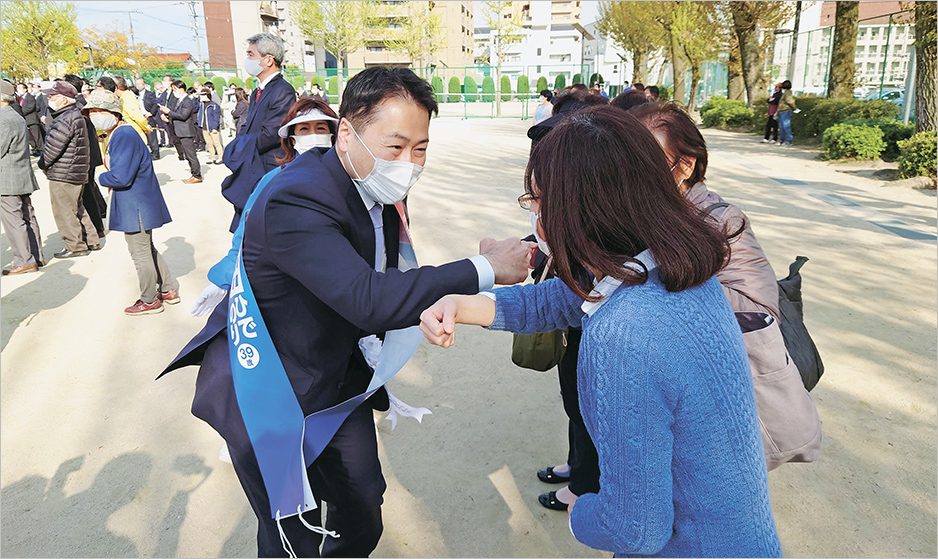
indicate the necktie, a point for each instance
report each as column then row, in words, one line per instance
column 257, row 95
column 378, row 222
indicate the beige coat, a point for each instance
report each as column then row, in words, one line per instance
column 787, row 102
column 748, row 279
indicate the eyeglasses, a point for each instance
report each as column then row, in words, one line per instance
column 525, row 200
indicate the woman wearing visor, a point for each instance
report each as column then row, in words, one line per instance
column 309, row 123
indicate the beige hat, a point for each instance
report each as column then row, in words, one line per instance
column 103, row 99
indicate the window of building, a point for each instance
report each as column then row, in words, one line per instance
column 861, row 51
column 538, row 70
column 862, row 34
column 874, row 50
column 874, row 33
column 538, row 53
column 375, row 48
column 869, row 67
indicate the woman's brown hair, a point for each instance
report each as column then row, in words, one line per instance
column 684, row 139
column 302, row 106
column 606, row 194
column 240, row 95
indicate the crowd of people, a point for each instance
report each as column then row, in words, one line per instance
column 646, row 269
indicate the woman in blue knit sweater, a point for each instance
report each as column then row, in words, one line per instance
column 663, row 376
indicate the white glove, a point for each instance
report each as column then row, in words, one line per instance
column 210, row 296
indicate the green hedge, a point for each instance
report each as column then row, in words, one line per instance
column 236, row 81
column 917, row 155
column 664, row 93
column 488, row 89
column 722, row 112
column 454, row 90
column 437, row 84
column 541, row 84
column 577, row 78
column 471, row 90
column 505, row 88
column 817, row 114
column 251, row 82
column 894, row 131
column 847, row 141
column 333, row 89
column 596, row 78
column 298, row 82
column 560, row 82
column 219, row 84
column 523, row 87
column 315, row 80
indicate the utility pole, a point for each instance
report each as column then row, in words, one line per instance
column 131, row 18
column 195, row 29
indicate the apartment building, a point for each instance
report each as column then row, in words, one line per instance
column 229, row 24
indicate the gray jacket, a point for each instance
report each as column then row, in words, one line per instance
column 748, row 279
column 16, row 173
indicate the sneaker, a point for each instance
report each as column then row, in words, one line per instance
column 170, row 297
column 765, row 141
column 143, row 308
column 773, row 142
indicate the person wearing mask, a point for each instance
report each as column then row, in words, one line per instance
column 180, row 119
column 240, row 109
column 652, row 93
column 771, row 123
column 317, row 92
column 31, row 115
column 267, row 105
column 65, row 160
column 671, row 407
column 106, row 82
column 130, row 108
column 209, row 118
column 146, row 101
column 786, row 107
column 344, row 208
column 194, row 93
column 170, row 101
column 17, row 183
column 42, row 109
column 545, row 107
column 137, row 205
column 309, row 124
column 91, row 197
column 160, row 92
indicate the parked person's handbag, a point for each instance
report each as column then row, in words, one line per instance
column 800, row 346
column 788, row 418
column 541, row 351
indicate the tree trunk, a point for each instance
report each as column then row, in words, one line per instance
column 735, row 88
column 840, row 82
column 678, row 68
column 750, row 54
column 694, row 82
column 498, row 88
column 639, row 65
column 926, row 78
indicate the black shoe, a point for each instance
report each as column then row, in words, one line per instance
column 548, row 476
column 550, row 501
column 95, row 247
column 71, row 253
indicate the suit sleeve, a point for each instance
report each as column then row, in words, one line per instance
column 181, row 111
column 269, row 138
column 306, row 239
column 6, row 137
column 149, row 103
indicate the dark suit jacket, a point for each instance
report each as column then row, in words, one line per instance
column 180, row 116
column 309, row 249
column 30, row 110
column 150, row 106
column 265, row 117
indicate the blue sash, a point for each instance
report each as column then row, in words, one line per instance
column 284, row 442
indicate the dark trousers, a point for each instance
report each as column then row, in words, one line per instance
column 771, row 125
column 174, row 139
column 94, row 203
column 582, row 457
column 37, row 136
column 164, row 136
column 153, row 142
column 188, row 151
column 347, row 475
column 199, row 139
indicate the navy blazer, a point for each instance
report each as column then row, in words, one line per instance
column 308, row 250
column 265, row 117
column 137, row 203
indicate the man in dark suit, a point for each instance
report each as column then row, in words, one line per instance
column 147, row 101
column 31, row 115
column 321, row 252
column 180, row 122
column 268, row 104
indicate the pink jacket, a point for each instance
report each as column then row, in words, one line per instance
column 748, row 279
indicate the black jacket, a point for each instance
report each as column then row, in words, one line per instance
column 66, row 155
column 180, row 117
column 30, row 110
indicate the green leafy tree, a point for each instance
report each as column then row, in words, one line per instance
column 541, row 84
column 338, row 27
column 454, row 90
column 488, row 89
column 505, row 88
column 39, row 39
column 560, row 82
column 422, row 34
column 631, row 26
column 841, row 81
column 748, row 19
column 471, row 90
column 115, row 52
column 696, row 24
column 507, row 32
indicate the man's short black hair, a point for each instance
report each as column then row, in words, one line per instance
column 179, row 84
column 368, row 88
column 107, row 83
column 786, row 84
column 75, row 80
column 210, row 85
column 653, row 89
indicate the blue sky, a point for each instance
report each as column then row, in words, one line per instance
column 163, row 25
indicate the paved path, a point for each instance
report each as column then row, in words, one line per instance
column 100, row 460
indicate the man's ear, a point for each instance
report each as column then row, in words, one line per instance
column 343, row 135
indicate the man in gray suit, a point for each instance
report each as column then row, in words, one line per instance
column 17, row 183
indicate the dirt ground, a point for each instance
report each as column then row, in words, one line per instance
column 100, row 460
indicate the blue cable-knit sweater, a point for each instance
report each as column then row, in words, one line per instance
column 667, row 397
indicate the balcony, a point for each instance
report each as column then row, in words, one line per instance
column 268, row 11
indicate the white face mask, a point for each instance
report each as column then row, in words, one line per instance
column 253, row 67
column 304, row 143
column 179, row 94
column 541, row 243
column 104, row 122
column 389, row 181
